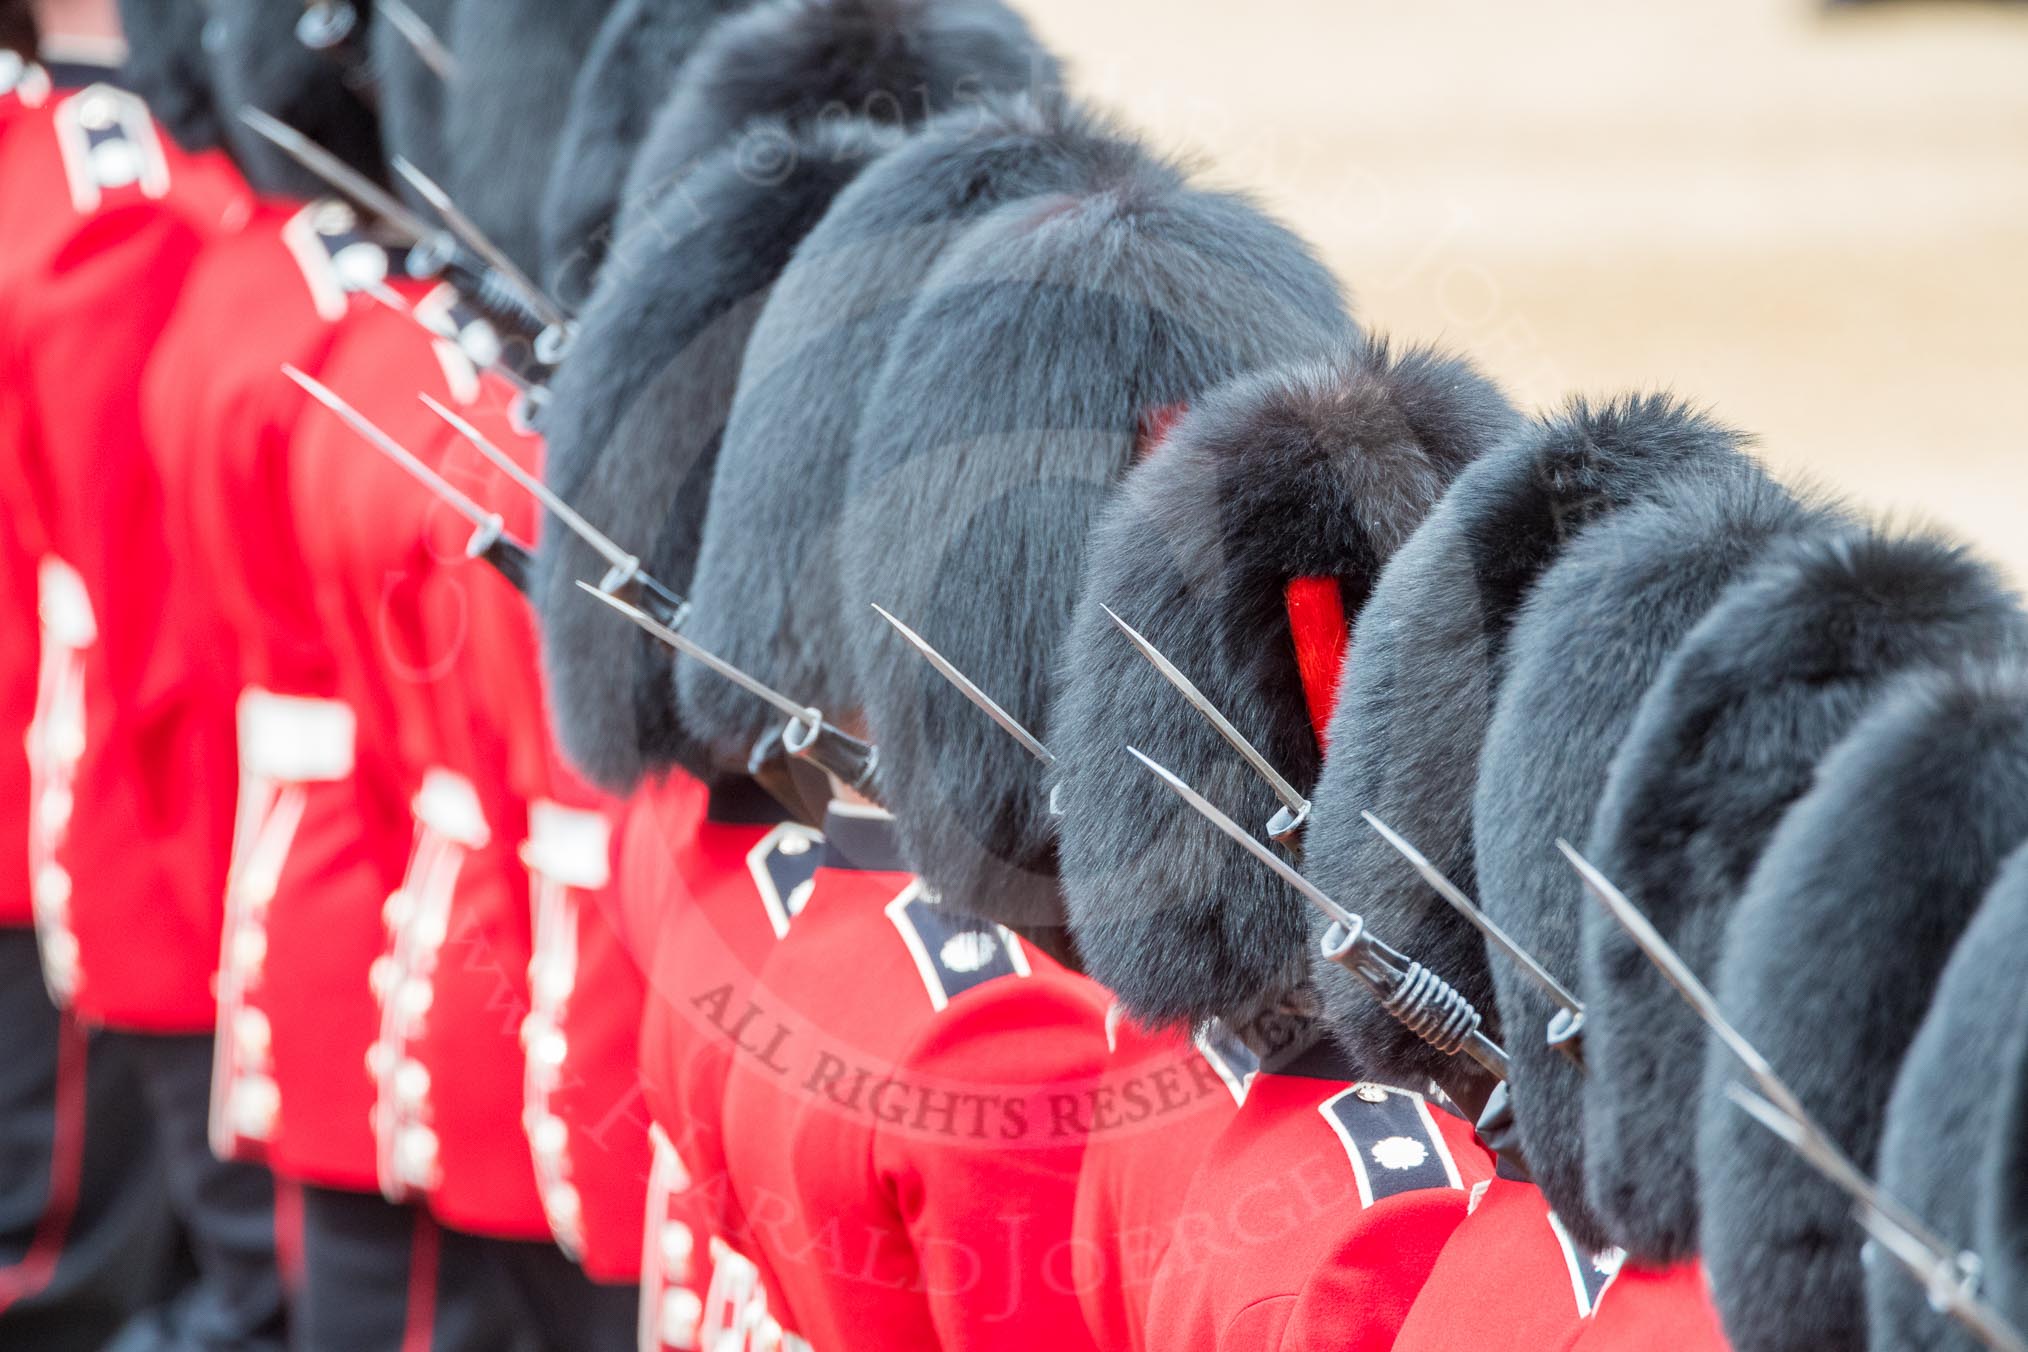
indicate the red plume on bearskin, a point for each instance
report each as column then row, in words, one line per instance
column 1246, row 541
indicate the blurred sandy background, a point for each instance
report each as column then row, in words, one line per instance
column 1815, row 223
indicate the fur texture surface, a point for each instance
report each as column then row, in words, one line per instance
column 411, row 100
column 1419, row 686
column 167, row 67
column 2000, row 1215
column 1586, row 644
column 1010, row 405
column 897, row 62
column 1830, row 962
column 1726, row 739
column 632, row 66
column 518, row 62
column 637, row 416
column 1316, row 470
column 766, row 594
column 1944, row 1112
column 256, row 61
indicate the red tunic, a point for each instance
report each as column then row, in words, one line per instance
column 1650, row 1311
column 1161, row 1101
column 1316, row 1216
column 132, row 772
column 222, row 421
column 906, row 1118
column 445, row 1064
column 1509, row 1277
column 26, row 224
column 709, row 886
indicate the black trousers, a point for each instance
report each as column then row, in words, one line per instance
column 225, row 1212
column 86, row 1238
column 384, row 1278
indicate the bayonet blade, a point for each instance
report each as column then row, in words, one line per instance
column 342, row 177
column 393, row 450
column 1245, row 840
column 1479, row 920
column 801, row 713
column 970, row 690
column 475, row 239
column 1295, row 802
column 1941, row 1271
column 1687, row 983
column 417, row 33
column 535, row 488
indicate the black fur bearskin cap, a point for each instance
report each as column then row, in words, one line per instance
column 1047, row 344
column 1313, row 471
column 167, row 67
column 412, row 98
column 891, row 61
column 634, row 427
column 517, row 63
column 766, row 595
column 1584, row 648
column 1829, row 963
column 17, row 29
column 2000, row 1213
column 632, row 66
column 257, row 61
column 1418, row 690
column 1726, row 739
column 1944, row 1113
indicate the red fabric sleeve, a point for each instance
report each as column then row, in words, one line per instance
column 987, row 1192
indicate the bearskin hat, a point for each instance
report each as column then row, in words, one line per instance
column 1045, row 351
column 412, row 98
column 1583, row 650
column 1943, row 1115
column 518, row 62
column 17, row 29
column 890, row 61
column 634, row 428
column 1243, row 547
column 631, row 68
column 1729, row 735
column 1412, row 712
column 766, row 595
column 167, row 67
column 257, row 61
column 1830, row 961
column 2000, row 1212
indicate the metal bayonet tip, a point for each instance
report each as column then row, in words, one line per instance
column 468, row 232
column 970, row 689
column 1529, row 964
column 1297, row 805
column 1242, row 837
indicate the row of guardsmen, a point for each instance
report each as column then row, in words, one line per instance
column 721, row 674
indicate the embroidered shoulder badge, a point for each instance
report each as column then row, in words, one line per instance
column 108, row 143
column 953, row 951
column 1392, row 1141
column 784, row 866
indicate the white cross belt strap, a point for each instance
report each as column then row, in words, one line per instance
column 568, row 845
column 294, row 738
